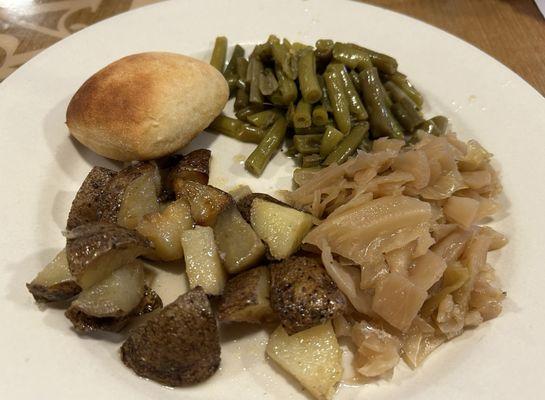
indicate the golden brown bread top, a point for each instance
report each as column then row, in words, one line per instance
column 146, row 105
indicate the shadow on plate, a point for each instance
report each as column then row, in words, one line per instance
column 22, row 272
column 62, row 145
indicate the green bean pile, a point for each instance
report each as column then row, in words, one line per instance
column 325, row 101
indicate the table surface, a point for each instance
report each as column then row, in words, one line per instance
column 512, row 31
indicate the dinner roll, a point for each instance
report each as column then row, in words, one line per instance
column 146, row 105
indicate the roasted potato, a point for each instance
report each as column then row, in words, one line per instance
column 312, row 356
column 97, row 249
column 281, row 228
column 206, row 202
column 84, row 208
column 130, row 195
column 54, row 282
column 202, row 261
column 193, row 166
column 165, row 165
column 110, row 304
column 239, row 192
column 165, row 228
column 303, row 295
column 150, row 302
column 179, row 346
column 246, row 297
column 244, row 203
column 239, row 245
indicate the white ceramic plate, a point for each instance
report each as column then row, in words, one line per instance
column 42, row 168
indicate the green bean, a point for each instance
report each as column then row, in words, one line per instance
column 242, row 72
column 311, row 160
column 267, row 82
column 441, row 123
column 307, row 144
column 267, row 148
column 325, row 97
column 285, row 59
column 429, row 127
column 311, row 130
column 397, row 95
column 383, row 62
column 250, row 109
column 290, row 152
column 302, row 117
column 355, row 80
column 402, row 81
column 289, row 114
column 219, row 53
column 366, row 144
column 263, row 51
column 241, row 99
column 297, row 48
column 263, row 119
column 230, row 72
column 354, row 102
column 332, row 137
column 237, row 129
column 255, row 69
column 387, row 100
column 348, row 145
column 324, row 50
column 338, row 99
column 382, row 121
column 286, row 86
column 319, row 115
column 277, row 99
column 407, row 115
column 308, row 82
column 273, row 39
column 352, row 57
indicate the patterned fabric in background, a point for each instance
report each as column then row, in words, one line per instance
column 30, row 26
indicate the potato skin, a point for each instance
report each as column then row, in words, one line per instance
column 179, row 346
column 59, row 292
column 87, row 242
column 244, row 205
column 87, row 323
column 206, row 201
column 303, row 295
column 84, row 207
column 194, row 166
column 242, row 293
column 114, row 191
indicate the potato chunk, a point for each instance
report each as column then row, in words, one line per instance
column 303, row 295
column 110, row 304
column 84, row 208
column 202, row 261
column 165, row 228
column 246, row 297
column 178, row 346
column 313, row 357
column 130, row 195
column 244, row 203
column 97, row 249
column 54, row 282
column 193, row 166
column 206, row 202
column 239, row 245
column 282, row 228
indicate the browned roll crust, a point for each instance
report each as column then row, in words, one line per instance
column 146, row 105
